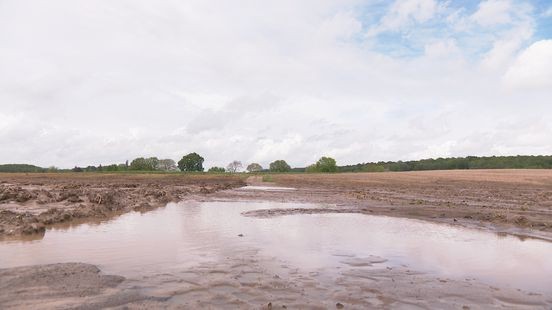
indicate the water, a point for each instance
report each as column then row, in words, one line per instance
column 184, row 234
column 266, row 188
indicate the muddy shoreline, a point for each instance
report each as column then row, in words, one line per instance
column 29, row 203
column 506, row 201
column 517, row 202
column 244, row 279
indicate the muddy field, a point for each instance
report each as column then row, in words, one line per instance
column 500, row 199
column 513, row 201
column 31, row 202
column 240, row 271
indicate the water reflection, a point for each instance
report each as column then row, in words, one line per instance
column 184, row 234
column 265, row 188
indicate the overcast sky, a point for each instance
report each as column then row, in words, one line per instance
column 97, row 82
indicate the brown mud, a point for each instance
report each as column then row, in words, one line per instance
column 31, row 202
column 507, row 200
column 517, row 202
column 246, row 280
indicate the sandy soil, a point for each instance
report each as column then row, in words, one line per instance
column 31, row 202
column 511, row 201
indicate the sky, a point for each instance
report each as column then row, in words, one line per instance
column 98, row 82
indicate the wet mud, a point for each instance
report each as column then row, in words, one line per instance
column 31, row 202
column 508, row 201
column 234, row 269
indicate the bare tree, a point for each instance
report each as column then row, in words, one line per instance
column 234, row 166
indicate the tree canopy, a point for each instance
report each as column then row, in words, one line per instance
column 234, row 166
column 191, row 162
column 144, row 164
column 216, row 170
column 254, row 167
column 20, row 168
column 470, row 162
column 279, row 166
column 324, row 164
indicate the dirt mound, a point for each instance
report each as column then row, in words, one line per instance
column 63, row 286
column 30, row 202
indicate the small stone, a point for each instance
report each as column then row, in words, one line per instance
column 240, row 235
column 339, row 305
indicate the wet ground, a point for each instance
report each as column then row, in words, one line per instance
column 446, row 240
column 170, row 253
column 510, row 201
column 30, row 202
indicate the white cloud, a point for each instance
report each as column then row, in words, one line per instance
column 533, row 67
column 506, row 46
column 342, row 26
column 512, row 26
column 99, row 82
column 404, row 13
column 493, row 12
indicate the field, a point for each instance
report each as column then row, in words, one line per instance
column 30, row 202
column 227, row 246
column 500, row 199
column 514, row 201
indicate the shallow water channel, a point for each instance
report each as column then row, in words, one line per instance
column 184, row 234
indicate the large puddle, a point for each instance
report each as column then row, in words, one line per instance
column 181, row 235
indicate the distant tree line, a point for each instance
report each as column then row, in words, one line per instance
column 137, row 164
column 21, row 168
column 193, row 162
column 470, row 162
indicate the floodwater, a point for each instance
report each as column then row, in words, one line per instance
column 266, row 188
column 184, row 234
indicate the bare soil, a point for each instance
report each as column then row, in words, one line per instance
column 31, row 202
column 511, row 201
column 517, row 201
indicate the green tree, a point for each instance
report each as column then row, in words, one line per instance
column 144, row 164
column 90, row 169
column 113, row 167
column 216, row 170
column 279, row 166
column 20, row 168
column 254, row 167
column 138, row 164
column 326, row 164
column 191, row 162
column 122, row 167
column 373, row 168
